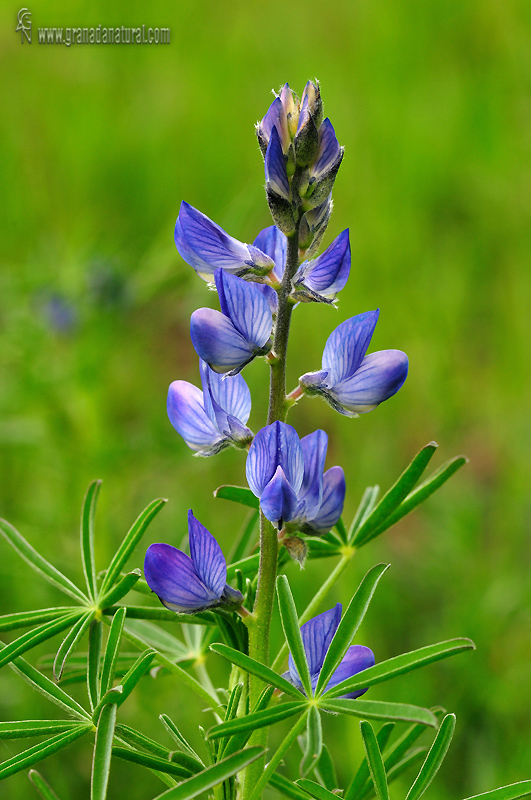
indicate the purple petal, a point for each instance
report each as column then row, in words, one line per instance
column 347, row 345
column 331, row 508
column 357, row 659
column 207, row 557
column 273, row 243
column 216, row 341
column 317, row 635
column 189, row 418
column 278, row 501
column 314, row 453
column 275, row 119
column 275, row 167
column 327, row 274
column 379, row 377
column 206, row 246
column 246, row 307
column 273, row 446
column 171, row 575
column 224, row 396
column 270, row 295
column 329, row 150
column 304, row 115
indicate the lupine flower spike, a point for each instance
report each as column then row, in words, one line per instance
column 230, row 339
column 317, row 635
column 214, row 418
column 287, row 475
column 187, row 584
column 352, row 382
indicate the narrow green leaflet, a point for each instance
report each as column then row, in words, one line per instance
column 36, row 636
column 512, row 792
column 255, row 668
column 434, row 759
column 237, row 494
column 368, row 501
column 111, row 651
column 350, row 622
column 151, row 762
column 23, row 619
column 239, row 740
column 156, row 637
column 247, row 566
column 48, row 688
column 314, row 742
column 315, row 789
column 137, row 739
column 39, row 564
column 41, row 751
column 43, row 788
column 276, row 759
column 122, row 588
column 374, row 759
column 69, row 642
column 120, row 693
column 341, row 530
column 422, row 492
column 177, row 736
column 411, row 760
column 325, row 769
column 212, row 776
column 290, row 789
column 93, row 662
column 292, row 632
column 378, row 709
column 101, row 761
column 395, row 495
column 36, row 727
column 130, row 541
column 88, row 512
column 260, row 719
column 363, row 774
column 164, row 615
column 400, row 665
column 241, row 544
column 394, row 754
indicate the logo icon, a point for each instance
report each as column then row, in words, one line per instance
column 24, row 24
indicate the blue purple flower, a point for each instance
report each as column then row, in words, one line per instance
column 214, row 418
column 187, row 584
column 317, row 635
column 206, row 247
column 352, row 382
column 230, row 339
column 286, row 473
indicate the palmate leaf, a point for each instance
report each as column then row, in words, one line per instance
column 237, row 494
column 378, row 709
column 350, row 622
column 292, row 632
column 40, row 634
column 260, row 719
column 101, row 761
column 43, row 788
column 129, row 543
column 511, row 792
column 88, row 512
column 41, row 751
column 248, row 664
column 400, row 665
column 374, row 760
column 39, row 564
column 434, row 759
column 212, row 776
column 396, row 494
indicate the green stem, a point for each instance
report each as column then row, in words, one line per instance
column 259, row 626
column 315, row 602
column 279, row 755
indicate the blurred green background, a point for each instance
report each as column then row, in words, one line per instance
column 99, row 145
